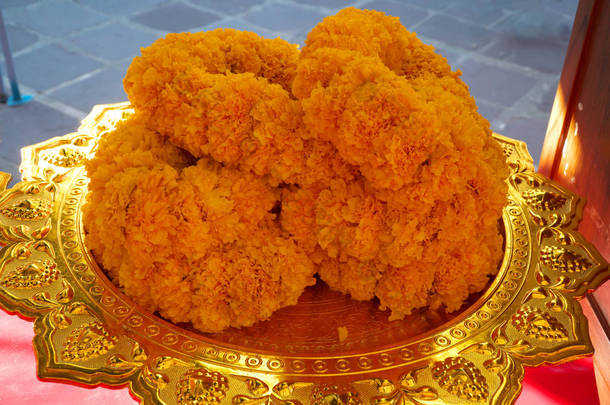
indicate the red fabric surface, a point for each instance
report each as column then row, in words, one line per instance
column 568, row 384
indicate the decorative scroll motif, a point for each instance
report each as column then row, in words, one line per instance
column 31, row 275
column 407, row 393
column 88, row 341
column 562, row 260
column 64, row 157
column 201, row 387
column 333, row 394
column 543, row 200
column 31, row 209
column 517, row 157
column 5, row 178
column 257, row 392
column 538, row 325
column 508, row 149
column 461, row 378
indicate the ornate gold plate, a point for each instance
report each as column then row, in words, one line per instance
column 328, row 349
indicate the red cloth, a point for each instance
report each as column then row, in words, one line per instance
column 568, row 384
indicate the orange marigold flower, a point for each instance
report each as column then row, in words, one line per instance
column 187, row 235
column 223, row 94
column 249, row 166
column 373, row 33
column 375, row 119
column 420, row 222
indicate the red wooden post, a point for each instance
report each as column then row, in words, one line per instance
column 576, row 153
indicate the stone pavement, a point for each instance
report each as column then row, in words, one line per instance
column 72, row 55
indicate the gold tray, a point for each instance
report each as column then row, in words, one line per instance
column 88, row 332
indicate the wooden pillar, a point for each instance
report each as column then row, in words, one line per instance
column 576, row 153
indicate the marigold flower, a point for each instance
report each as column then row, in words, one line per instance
column 197, row 243
column 373, row 33
column 223, row 94
column 418, row 227
column 249, row 166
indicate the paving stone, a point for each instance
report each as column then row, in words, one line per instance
column 114, row 41
column 455, row 32
column 536, row 24
column 547, row 98
column 55, row 18
column 519, row 5
column 452, row 56
column 175, row 17
column 28, row 124
column 334, row 4
column 498, row 85
column 408, row 15
column 530, row 130
column 123, row 66
column 298, row 38
column 483, row 12
column 432, row 4
column 19, row 38
column 287, row 18
column 542, row 56
column 567, row 7
column 102, row 88
column 49, row 66
column 489, row 111
column 239, row 24
column 12, row 169
column 121, row 7
column 15, row 3
column 230, row 7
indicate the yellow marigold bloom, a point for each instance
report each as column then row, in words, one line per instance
column 418, row 225
column 373, row 33
column 197, row 243
column 249, row 166
column 375, row 119
column 223, row 94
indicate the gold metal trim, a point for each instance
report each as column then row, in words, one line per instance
column 87, row 331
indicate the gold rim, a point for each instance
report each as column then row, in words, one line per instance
column 87, row 331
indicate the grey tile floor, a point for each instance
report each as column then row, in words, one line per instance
column 72, row 54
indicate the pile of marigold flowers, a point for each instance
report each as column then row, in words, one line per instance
column 249, row 166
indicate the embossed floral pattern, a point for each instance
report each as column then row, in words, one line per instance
column 88, row 341
column 64, row 157
column 543, row 200
column 31, row 209
column 461, row 378
column 201, row 387
column 563, row 260
column 538, row 325
column 335, row 395
column 32, row 275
